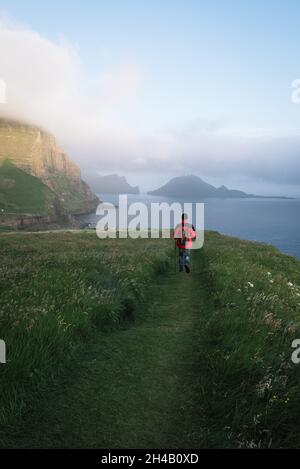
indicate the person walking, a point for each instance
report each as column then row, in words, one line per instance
column 184, row 235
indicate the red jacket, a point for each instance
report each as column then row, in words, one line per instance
column 184, row 234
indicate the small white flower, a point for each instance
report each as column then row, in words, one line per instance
column 269, row 273
column 271, row 281
column 290, row 284
column 250, row 284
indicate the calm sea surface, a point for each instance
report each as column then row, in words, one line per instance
column 274, row 221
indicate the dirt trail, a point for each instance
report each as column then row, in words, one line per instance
column 135, row 387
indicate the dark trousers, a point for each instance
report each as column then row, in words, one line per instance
column 184, row 258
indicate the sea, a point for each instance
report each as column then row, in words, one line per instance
column 269, row 220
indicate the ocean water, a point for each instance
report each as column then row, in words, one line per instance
column 273, row 221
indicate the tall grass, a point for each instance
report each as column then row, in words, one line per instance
column 250, row 384
column 56, row 291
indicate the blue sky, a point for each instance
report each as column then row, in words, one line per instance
column 221, row 65
column 217, row 58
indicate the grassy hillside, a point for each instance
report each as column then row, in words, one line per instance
column 22, row 193
column 249, row 384
column 107, row 346
column 56, row 290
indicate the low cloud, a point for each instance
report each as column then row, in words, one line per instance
column 46, row 85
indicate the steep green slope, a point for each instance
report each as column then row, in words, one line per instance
column 22, row 193
column 35, row 151
column 75, row 197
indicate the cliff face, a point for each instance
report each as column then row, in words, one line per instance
column 37, row 153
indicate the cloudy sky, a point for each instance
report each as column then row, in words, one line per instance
column 161, row 88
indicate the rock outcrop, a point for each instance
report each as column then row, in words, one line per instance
column 111, row 184
column 36, row 152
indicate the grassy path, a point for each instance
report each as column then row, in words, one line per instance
column 135, row 387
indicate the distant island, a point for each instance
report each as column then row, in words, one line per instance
column 112, row 184
column 194, row 186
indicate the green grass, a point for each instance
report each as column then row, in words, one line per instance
column 134, row 387
column 105, row 351
column 250, row 386
column 56, row 291
column 22, row 193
